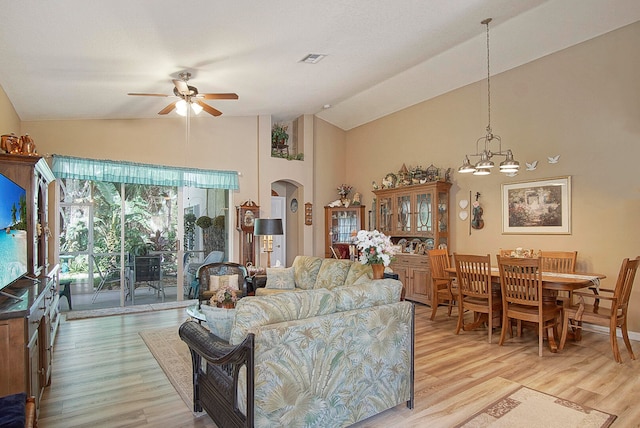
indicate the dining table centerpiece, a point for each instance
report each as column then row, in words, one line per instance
column 376, row 249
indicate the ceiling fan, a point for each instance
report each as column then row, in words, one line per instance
column 189, row 96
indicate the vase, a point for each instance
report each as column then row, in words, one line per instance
column 378, row 270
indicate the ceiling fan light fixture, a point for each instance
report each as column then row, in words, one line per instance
column 181, row 108
column 197, row 108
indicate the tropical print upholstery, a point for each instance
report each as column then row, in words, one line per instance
column 219, row 320
column 280, row 278
column 305, row 270
column 358, row 273
column 252, row 312
column 315, row 367
column 332, row 273
column 367, row 294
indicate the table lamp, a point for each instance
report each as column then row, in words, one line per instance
column 267, row 227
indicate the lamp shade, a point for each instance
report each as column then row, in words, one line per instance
column 267, row 226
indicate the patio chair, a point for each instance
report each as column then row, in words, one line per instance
column 110, row 276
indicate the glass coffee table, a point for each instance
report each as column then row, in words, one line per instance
column 194, row 312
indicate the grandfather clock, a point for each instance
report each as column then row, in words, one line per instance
column 245, row 217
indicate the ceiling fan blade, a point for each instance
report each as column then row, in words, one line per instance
column 182, row 87
column 229, row 96
column 206, row 107
column 147, row 95
column 168, row 108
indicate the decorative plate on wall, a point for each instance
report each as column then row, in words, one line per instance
column 294, row 205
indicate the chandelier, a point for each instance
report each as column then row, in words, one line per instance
column 484, row 165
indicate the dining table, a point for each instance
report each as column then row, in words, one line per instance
column 552, row 284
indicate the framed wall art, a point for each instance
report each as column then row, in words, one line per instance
column 537, row 207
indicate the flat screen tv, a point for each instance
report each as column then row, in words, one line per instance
column 13, row 232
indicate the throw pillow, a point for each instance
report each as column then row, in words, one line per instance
column 219, row 320
column 280, row 278
column 218, row 281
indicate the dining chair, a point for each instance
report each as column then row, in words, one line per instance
column 522, row 297
column 442, row 287
column 475, row 292
column 613, row 317
column 559, row 261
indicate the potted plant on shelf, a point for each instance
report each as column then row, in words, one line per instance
column 279, row 136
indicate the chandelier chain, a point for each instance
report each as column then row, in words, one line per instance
column 488, row 81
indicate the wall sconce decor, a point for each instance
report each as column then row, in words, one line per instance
column 308, row 213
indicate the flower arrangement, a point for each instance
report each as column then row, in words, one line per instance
column 225, row 295
column 375, row 247
column 344, row 190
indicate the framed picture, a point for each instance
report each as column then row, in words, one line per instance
column 537, row 207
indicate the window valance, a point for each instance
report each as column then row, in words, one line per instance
column 139, row 173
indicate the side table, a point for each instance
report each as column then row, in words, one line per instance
column 255, row 282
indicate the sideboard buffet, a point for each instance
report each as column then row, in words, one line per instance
column 416, row 217
column 29, row 320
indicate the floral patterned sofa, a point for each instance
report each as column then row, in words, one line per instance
column 312, row 273
column 321, row 357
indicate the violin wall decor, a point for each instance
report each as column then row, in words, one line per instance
column 476, row 221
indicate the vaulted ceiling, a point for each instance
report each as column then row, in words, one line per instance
column 78, row 59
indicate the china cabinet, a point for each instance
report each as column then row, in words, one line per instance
column 417, row 218
column 341, row 224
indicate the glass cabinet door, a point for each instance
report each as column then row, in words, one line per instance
column 344, row 223
column 403, row 207
column 423, row 209
column 385, row 213
column 443, row 216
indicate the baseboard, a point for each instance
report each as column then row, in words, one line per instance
column 604, row 330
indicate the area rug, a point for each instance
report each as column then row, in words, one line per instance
column 106, row 312
column 172, row 354
column 526, row 408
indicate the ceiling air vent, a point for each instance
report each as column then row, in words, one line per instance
column 312, row 58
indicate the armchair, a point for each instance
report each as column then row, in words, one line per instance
column 205, row 272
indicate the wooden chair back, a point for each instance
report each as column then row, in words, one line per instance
column 613, row 317
column 523, row 300
column 520, row 281
column 475, row 292
column 559, row 261
column 439, row 261
column 474, row 275
column 624, row 284
column 441, row 282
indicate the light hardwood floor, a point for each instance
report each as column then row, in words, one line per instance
column 104, row 375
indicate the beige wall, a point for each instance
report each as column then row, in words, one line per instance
column 9, row 120
column 331, row 163
column 581, row 103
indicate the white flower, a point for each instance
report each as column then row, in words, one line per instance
column 375, row 247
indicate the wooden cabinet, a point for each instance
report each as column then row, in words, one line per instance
column 29, row 322
column 340, row 225
column 418, row 217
